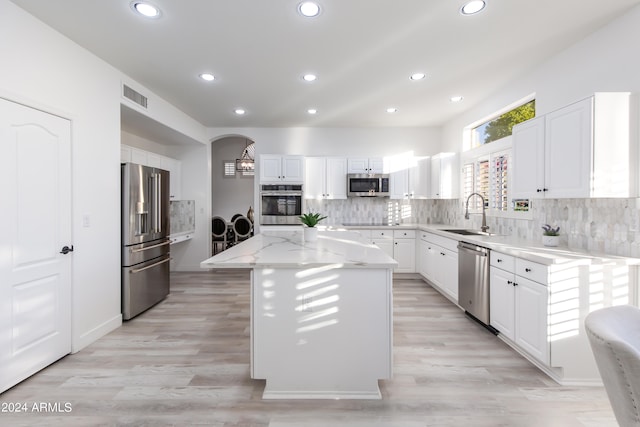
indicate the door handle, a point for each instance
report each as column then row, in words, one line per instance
column 66, row 249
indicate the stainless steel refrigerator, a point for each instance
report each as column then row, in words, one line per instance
column 145, row 238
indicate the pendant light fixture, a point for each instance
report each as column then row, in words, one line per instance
column 246, row 162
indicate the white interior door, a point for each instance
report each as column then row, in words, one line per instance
column 35, row 223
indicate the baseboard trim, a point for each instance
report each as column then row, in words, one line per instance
column 78, row 343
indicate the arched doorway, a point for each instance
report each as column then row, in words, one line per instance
column 232, row 189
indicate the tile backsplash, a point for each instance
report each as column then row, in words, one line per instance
column 182, row 216
column 597, row 225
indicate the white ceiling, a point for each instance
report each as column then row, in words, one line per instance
column 363, row 52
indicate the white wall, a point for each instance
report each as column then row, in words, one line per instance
column 196, row 185
column 43, row 69
column 607, row 60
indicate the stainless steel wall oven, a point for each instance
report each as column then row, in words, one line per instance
column 280, row 204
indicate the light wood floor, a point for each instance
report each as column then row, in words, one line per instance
column 186, row 362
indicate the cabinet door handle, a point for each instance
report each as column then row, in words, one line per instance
column 498, row 260
column 509, row 282
column 515, row 284
column 538, row 190
column 442, row 253
column 528, row 270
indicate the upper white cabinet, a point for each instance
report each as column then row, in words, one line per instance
column 278, row 168
column 444, row 176
column 146, row 158
column 366, row 165
column 586, row 149
column 409, row 177
column 325, row 178
column 175, row 172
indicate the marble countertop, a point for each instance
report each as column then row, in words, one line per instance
column 288, row 249
column 510, row 245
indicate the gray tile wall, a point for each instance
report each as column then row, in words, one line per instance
column 597, row 225
column 182, row 216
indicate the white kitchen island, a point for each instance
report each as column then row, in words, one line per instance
column 321, row 313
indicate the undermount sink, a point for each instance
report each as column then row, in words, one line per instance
column 468, row 232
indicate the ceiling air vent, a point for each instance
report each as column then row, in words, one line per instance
column 134, row 96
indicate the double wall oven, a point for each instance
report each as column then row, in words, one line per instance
column 280, row 204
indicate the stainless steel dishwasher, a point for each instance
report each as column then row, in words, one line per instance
column 473, row 281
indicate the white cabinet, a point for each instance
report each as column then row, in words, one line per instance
column 444, row 176
column 366, row 165
column 438, row 263
column 147, row 158
column 404, row 250
column 383, row 239
column 582, row 150
column 398, row 244
column 278, row 168
column 325, row 178
column 409, row 177
column 519, row 305
column 125, row 154
column 528, row 159
column 175, row 172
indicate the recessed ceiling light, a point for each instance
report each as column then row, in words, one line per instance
column 309, row 77
column 207, row 76
column 456, row 98
column 145, row 9
column 239, row 111
column 392, row 110
column 309, row 9
column 418, row 76
column 312, row 111
column 473, row 7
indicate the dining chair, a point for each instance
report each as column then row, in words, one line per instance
column 242, row 229
column 614, row 335
column 219, row 233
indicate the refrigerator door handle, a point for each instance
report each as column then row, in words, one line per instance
column 138, row 270
column 159, row 202
column 133, row 251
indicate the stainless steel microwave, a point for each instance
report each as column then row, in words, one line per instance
column 367, row 185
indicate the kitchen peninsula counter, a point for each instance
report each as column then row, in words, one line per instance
column 321, row 313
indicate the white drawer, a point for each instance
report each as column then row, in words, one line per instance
column 451, row 244
column 502, row 261
column 532, row 270
column 404, row 234
column 381, row 234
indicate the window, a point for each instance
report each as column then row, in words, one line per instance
column 488, row 176
column 229, row 168
column 499, row 180
column 501, row 126
column 476, row 180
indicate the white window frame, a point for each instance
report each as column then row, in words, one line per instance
column 489, row 152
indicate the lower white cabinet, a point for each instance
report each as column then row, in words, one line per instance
column 404, row 250
column 519, row 305
column 398, row 244
column 438, row 262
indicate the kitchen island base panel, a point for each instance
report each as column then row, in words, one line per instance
column 321, row 332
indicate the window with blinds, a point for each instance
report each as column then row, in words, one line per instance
column 488, row 177
column 499, row 190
